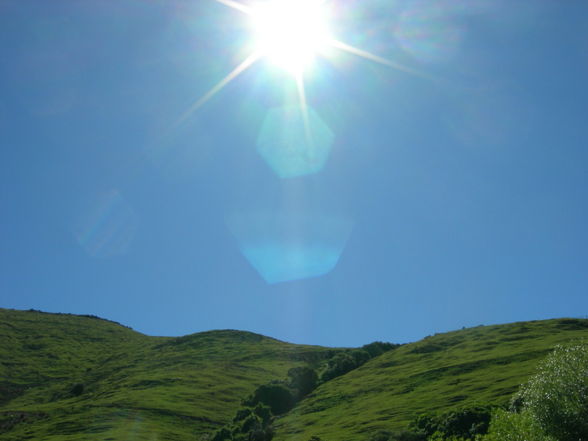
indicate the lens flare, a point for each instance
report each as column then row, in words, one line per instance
column 284, row 246
column 290, row 34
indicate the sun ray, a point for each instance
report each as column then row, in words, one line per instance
column 375, row 58
column 303, row 108
column 290, row 33
column 245, row 64
column 237, row 6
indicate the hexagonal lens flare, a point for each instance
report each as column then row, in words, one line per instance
column 285, row 247
column 294, row 141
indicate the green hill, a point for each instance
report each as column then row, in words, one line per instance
column 485, row 365
column 67, row 377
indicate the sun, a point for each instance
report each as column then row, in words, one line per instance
column 290, row 33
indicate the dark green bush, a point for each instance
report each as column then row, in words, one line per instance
column 277, row 396
column 242, row 414
column 223, row 434
column 338, row 365
column 360, row 356
column 378, row 348
column 303, row 380
column 465, row 423
column 264, row 413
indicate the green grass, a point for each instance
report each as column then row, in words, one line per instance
column 135, row 387
column 478, row 365
column 139, row 388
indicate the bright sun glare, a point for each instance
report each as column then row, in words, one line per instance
column 290, row 32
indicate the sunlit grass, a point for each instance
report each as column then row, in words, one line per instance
column 135, row 387
column 442, row 372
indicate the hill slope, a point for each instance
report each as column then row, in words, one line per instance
column 66, row 377
column 484, row 364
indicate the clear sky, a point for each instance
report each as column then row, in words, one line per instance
column 448, row 191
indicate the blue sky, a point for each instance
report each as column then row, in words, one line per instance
column 448, row 199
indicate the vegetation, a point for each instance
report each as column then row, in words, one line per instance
column 553, row 404
column 66, row 377
column 557, row 396
column 254, row 421
column 439, row 374
column 511, row 426
column 464, row 423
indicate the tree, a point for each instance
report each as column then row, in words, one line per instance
column 377, row 348
column 557, row 396
column 277, row 396
column 360, row 356
column 510, row 426
column 263, row 412
column 465, row 422
column 338, row 365
column 224, row 434
column 303, row 379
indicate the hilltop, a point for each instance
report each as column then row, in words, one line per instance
column 68, row 377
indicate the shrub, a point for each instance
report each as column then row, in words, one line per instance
column 264, row 413
column 223, row 434
column 557, row 396
column 276, row 396
column 377, row 348
column 338, row 365
column 303, row 379
column 509, row 426
column 465, row 423
column 242, row 414
column 360, row 356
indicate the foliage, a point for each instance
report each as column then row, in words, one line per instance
column 185, row 387
column 339, row 365
column 447, row 371
column 510, row 426
column 224, row 434
column 263, row 412
column 275, row 395
column 344, row 362
column 378, row 348
column 557, row 396
column 249, row 424
column 164, row 387
column 303, row 380
column 462, row 423
column 360, row 356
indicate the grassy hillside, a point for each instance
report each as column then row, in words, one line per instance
column 65, row 377
column 445, row 371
